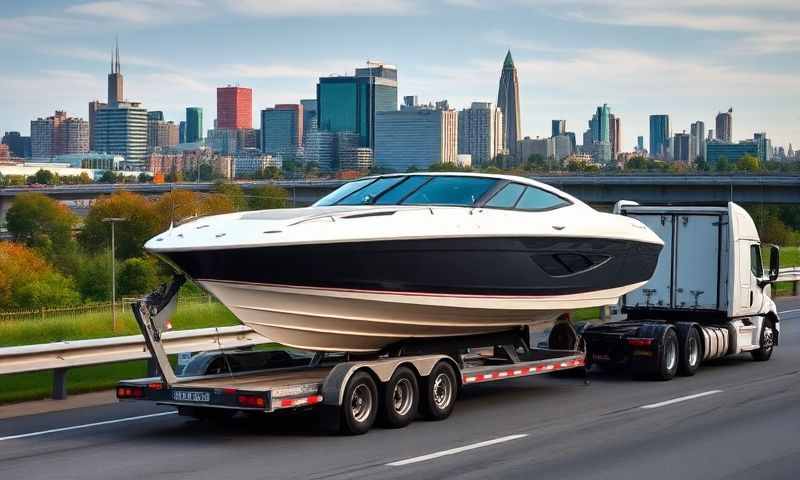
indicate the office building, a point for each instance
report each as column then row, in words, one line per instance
column 282, row 130
column 252, row 164
column 600, row 152
column 234, row 108
column 508, row 102
column 573, row 144
column 697, row 141
column 559, row 127
column 764, row 145
column 18, row 146
column 94, row 106
column 680, row 145
column 319, row 147
column 5, row 153
column 162, row 134
column 182, row 132
column 615, row 134
column 91, row 160
column 58, row 135
column 724, row 126
column 600, row 125
column 350, row 104
column 309, row 114
column 732, row 152
column 659, row 136
column 415, row 138
column 640, row 143
column 115, row 82
column 480, row 132
column 122, row 129
column 194, row 125
column 533, row 146
column 155, row 116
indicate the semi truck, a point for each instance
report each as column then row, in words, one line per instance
column 709, row 297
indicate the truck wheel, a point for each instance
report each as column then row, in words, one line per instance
column 400, row 399
column 440, row 392
column 360, row 404
column 766, row 344
column 690, row 353
column 668, row 356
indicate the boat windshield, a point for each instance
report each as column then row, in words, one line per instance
column 411, row 190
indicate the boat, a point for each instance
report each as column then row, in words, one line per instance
column 388, row 258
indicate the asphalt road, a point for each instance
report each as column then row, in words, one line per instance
column 743, row 424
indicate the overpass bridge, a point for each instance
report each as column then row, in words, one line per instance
column 596, row 189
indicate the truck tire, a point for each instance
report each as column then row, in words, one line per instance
column 359, row 405
column 400, row 401
column 766, row 344
column 668, row 354
column 690, row 353
column 439, row 392
column 663, row 363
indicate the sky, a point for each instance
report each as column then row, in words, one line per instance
column 686, row 58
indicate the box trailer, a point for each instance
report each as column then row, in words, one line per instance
column 709, row 296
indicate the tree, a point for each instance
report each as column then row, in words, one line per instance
column 28, row 281
column 94, row 277
column 136, row 276
column 537, row 162
column 141, row 223
column 723, row 165
column 216, row 203
column 748, row 163
column 44, row 177
column 175, row 206
column 145, row 177
column 268, row 196
column 108, row 177
column 40, row 222
column 233, row 191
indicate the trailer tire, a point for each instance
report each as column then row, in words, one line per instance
column 440, row 392
column 400, row 401
column 360, row 404
column 767, row 342
column 690, row 353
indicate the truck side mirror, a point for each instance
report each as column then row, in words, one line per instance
column 774, row 262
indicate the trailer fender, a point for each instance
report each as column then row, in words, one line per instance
column 382, row 370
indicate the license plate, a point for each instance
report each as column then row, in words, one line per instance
column 190, row 396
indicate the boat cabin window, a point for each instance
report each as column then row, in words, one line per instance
column 536, row 199
column 341, row 192
column 399, row 192
column 507, row 197
column 368, row 194
column 461, row 191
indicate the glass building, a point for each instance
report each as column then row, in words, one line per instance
column 349, row 104
column 194, row 124
column 733, row 152
column 282, row 129
column 659, row 136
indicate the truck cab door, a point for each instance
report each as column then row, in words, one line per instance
column 745, row 266
column 756, row 275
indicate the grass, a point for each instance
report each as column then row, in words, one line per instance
column 99, row 324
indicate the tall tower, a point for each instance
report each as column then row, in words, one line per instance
column 508, row 102
column 725, row 126
column 115, row 94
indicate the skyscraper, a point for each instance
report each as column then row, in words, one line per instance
column 415, row 138
column 640, row 143
column 182, row 132
column 194, row 124
column 508, row 102
column 94, row 106
column 680, row 147
column 659, row 136
column 601, row 125
column 122, row 129
column 559, row 127
column 725, row 126
column 697, row 141
column 18, row 145
column 115, row 91
column 282, row 129
column 615, row 133
column 309, row 114
column 480, row 132
column 349, row 104
column 58, row 135
column 234, row 107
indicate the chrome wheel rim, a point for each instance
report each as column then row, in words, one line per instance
column 402, row 397
column 767, row 343
column 671, row 355
column 442, row 391
column 361, row 403
column 693, row 351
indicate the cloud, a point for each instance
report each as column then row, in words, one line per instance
column 141, row 12
column 296, row 8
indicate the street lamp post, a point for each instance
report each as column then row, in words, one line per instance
column 112, row 221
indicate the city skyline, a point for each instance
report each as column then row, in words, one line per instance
column 579, row 57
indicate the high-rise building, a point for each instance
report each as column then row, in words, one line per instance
column 764, row 146
column 600, row 125
column 680, row 146
column 710, row 135
column 640, row 143
column 615, row 133
column 18, row 146
column 94, row 106
column 115, row 90
column 480, row 132
column 282, row 129
column 194, row 125
column 717, row 150
column 659, row 136
column 234, row 107
column 155, row 116
column 415, row 138
column 309, row 114
column 182, row 132
column 349, row 104
column 162, row 134
column 122, row 129
column 508, row 102
column 725, row 126
column 572, row 141
column 58, row 135
column 320, row 148
column 5, row 153
column 559, row 127
column 697, row 141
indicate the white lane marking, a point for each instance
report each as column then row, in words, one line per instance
column 88, row 425
column 680, row 399
column 790, row 311
column 453, row 451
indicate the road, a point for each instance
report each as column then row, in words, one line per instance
column 739, row 421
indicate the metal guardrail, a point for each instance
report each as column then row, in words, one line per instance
column 60, row 356
column 791, row 274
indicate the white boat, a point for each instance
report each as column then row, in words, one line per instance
column 389, row 258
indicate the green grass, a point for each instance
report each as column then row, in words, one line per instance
column 99, row 324
column 790, row 257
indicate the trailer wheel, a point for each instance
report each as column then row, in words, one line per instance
column 766, row 344
column 441, row 389
column 690, row 353
column 400, row 399
column 360, row 405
